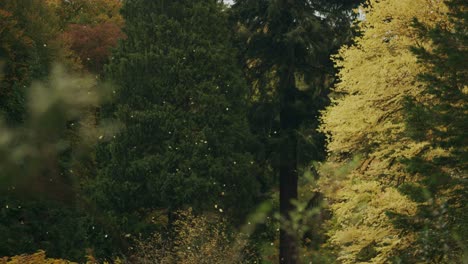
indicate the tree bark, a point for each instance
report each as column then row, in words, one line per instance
column 288, row 164
column 288, row 192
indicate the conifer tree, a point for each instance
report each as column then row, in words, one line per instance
column 181, row 101
column 287, row 46
column 440, row 122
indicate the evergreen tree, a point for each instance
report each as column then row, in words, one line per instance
column 287, row 48
column 441, row 122
column 181, row 101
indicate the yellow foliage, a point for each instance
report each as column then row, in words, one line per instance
column 198, row 239
column 41, row 258
column 366, row 118
column 378, row 73
column 36, row 258
column 361, row 219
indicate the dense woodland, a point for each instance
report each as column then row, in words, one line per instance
column 259, row 131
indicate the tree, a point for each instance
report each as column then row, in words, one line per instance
column 38, row 190
column 83, row 12
column 287, row 45
column 14, row 43
column 367, row 119
column 181, row 102
column 441, row 123
column 91, row 29
column 29, row 45
column 43, row 148
column 93, row 43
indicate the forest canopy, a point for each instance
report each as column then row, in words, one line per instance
column 246, row 131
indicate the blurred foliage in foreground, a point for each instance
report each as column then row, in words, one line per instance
column 40, row 161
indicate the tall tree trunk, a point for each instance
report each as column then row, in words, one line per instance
column 288, row 192
column 288, row 165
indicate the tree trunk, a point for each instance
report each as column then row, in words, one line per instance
column 288, row 164
column 288, row 192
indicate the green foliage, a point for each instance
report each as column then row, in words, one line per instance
column 415, row 192
column 181, row 101
column 43, row 135
column 442, row 122
column 286, row 48
column 37, row 182
column 186, row 128
column 29, row 46
column 276, row 37
column 82, row 12
column 28, row 225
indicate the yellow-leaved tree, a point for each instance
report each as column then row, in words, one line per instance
column 366, row 119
